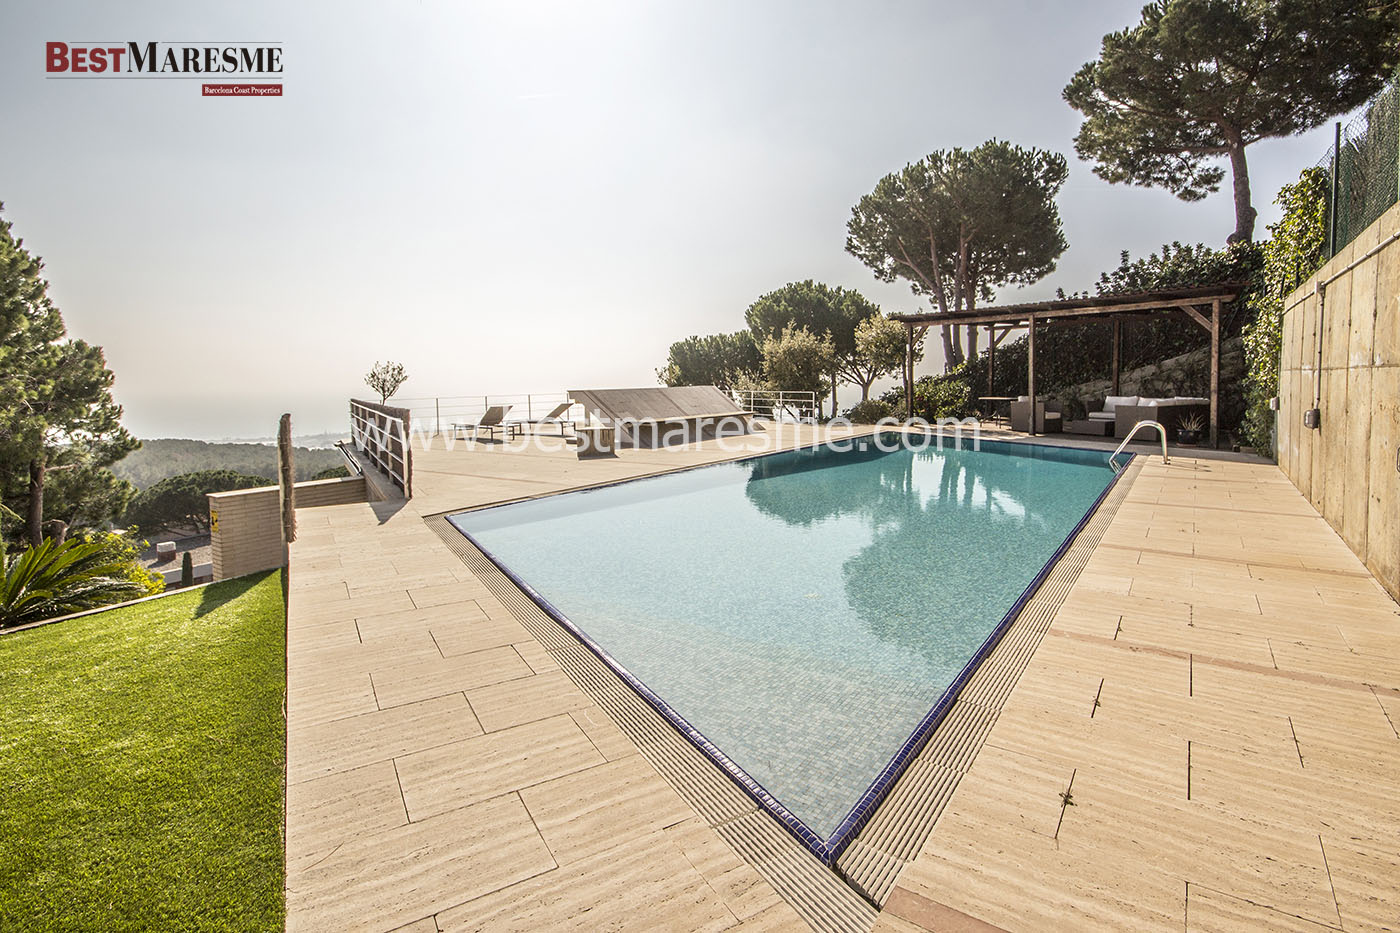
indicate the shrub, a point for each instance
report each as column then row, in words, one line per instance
column 55, row 579
column 337, row 472
column 1291, row 254
column 187, row 570
column 870, row 411
column 947, row 395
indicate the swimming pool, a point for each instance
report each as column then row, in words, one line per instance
column 804, row 617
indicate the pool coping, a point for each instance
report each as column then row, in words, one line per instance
column 830, row 849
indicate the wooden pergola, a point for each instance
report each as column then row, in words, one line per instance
column 1201, row 304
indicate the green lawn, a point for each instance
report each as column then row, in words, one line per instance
column 141, row 761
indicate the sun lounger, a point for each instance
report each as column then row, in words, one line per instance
column 492, row 421
column 556, row 416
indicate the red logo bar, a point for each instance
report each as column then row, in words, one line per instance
column 242, row 90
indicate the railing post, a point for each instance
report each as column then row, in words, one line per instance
column 1333, row 189
column 437, row 417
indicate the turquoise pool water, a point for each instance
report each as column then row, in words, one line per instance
column 803, row 612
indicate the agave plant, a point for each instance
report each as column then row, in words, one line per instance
column 54, row 579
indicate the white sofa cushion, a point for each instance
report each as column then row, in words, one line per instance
column 1101, row 416
column 1111, row 402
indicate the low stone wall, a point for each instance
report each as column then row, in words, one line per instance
column 1341, row 354
column 246, row 525
column 315, row 493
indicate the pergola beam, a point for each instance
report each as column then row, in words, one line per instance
column 1020, row 319
column 1196, row 316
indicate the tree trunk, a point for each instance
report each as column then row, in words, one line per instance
column 1244, row 210
column 833, row 394
column 34, row 523
column 950, row 350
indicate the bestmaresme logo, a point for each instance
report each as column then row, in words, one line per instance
column 132, row 60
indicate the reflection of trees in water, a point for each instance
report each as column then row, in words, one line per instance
column 894, row 602
column 834, row 484
column 911, row 527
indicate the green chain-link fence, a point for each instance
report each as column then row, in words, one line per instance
column 1364, row 169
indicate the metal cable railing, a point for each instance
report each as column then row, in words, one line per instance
column 780, row 406
column 436, row 414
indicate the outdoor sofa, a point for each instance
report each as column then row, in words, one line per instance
column 1125, row 411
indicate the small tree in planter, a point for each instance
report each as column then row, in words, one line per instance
column 187, row 570
column 385, row 378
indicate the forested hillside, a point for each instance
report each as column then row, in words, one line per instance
column 165, row 457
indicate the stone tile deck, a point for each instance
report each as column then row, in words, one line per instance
column 1207, row 739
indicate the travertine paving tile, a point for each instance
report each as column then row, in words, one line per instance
column 740, row 886
column 612, row 744
column 450, row 776
column 385, row 880
column 642, row 884
column 426, row 597
column 338, row 696
column 1209, row 911
column 456, row 637
column 425, row 678
column 527, row 699
column 533, row 654
column 406, row 621
column 583, row 813
column 319, row 749
column 341, row 806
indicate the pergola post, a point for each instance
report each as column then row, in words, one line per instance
column 1117, row 353
column 1030, row 371
column 991, row 356
column 1214, row 373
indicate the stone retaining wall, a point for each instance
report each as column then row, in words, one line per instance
column 1348, row 466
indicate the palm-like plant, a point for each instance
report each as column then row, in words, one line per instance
column 55, row 579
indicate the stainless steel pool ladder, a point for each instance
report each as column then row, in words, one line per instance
column 1161, row 432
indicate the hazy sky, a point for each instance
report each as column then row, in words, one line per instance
column 515, row 196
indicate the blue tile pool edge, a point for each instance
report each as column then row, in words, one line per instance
column 826, row 850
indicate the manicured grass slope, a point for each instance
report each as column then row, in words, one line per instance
column 141, row 766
